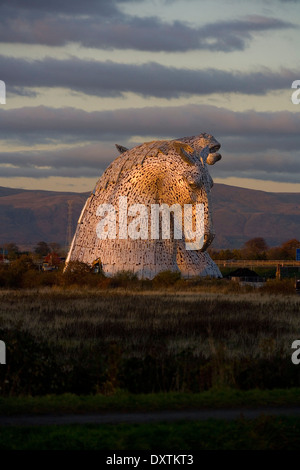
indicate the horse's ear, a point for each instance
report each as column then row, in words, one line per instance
column 121, row 149
column 186, row 156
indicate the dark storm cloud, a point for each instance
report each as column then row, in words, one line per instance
column 22, row 91
column 92, row 160
column 281, row 142
column 43, row 124
column 283, row 162
column 89, row 157
column 72, row 7
column 150, row 79
column 257, row 174
column 103, row 25
column 36, row 172
column 257, row 145
column 233, row 35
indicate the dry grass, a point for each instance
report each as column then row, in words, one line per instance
column 145, row 321
column 120, row 335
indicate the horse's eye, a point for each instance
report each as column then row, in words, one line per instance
column 194, row 185
column 214, row 148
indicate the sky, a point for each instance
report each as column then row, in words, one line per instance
column 83, row 76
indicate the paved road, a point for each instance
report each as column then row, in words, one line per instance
column 157, row 416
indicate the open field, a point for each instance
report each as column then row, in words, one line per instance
column 98, row 341
column 190, row 346
column 121, row 402
column 264, row 433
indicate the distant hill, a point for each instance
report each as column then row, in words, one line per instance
column 30, row 216
column 240, row 214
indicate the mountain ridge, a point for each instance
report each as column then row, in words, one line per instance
column 28, row 216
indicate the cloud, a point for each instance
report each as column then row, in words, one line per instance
column 84, row 161
column 92, row 160
column 248, row 173
column 273, row 166
column 72, row 7
column 39, row 172
column 235, row 34
column 104, row 26
column 280, row 142
column 44, row 124
column 150, row 79
column 254, row 145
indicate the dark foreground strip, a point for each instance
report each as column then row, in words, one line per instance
column 147, row 417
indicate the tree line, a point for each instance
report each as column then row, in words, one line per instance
column 257, row 249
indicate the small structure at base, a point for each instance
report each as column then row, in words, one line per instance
column 246, row 276
column 52, row 262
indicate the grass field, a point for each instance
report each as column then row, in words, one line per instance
column 264, row 433
column 86, row 341
column 122, row 401
column 189, row 345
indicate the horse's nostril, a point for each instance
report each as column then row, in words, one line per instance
column 214, row 148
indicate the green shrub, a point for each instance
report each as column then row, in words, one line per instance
column 166, row 278
column 31, row 367
column 78, row 273
column 124, row 279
